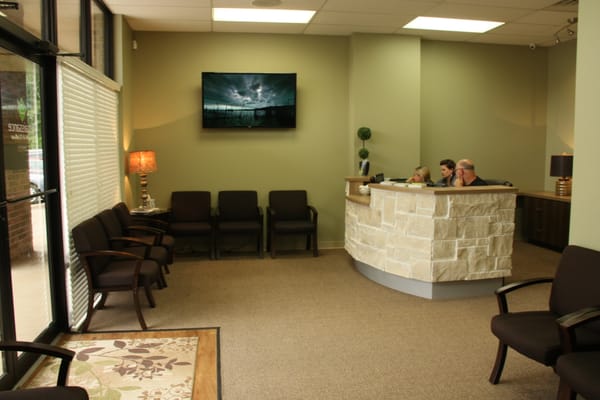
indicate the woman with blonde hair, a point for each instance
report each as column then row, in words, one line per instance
column 421, row 175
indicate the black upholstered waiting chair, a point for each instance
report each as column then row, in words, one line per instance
column 238, row 213
column 289, row 213
column 535, row 333
column 59, row 392
column 138, row 246
column 109, row 270
column 191, row 216
column 151, row 230
column 579, row 371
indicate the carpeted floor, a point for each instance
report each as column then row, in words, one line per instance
column 299, row 327
column 149, row 365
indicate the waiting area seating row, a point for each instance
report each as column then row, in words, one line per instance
column 238, row 213
column 117, row 256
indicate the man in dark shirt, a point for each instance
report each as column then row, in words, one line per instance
column 466, row 176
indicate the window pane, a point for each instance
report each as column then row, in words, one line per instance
column 97, row 38
column 68, row 15
column 28, row 16
column 26, row 217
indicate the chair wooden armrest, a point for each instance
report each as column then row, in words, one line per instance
column 158, row 233
column 501, row 292
column 65, row 355
column 314, row 213
column 568, row 323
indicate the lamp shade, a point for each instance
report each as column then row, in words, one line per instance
column 142, row 162
column 561, row 165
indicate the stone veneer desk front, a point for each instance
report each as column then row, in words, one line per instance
column 432, row 242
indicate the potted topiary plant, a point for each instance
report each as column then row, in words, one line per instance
column 363, row 134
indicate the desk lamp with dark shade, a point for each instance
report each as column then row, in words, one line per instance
column 142, row 163
column 562, row 166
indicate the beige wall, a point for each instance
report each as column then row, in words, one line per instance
column 585, row 213
column 423, row 100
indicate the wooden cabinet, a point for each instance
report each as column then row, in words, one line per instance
column 546, row 219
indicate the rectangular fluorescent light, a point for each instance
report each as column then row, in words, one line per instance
column 262, row 15
column 452, row 24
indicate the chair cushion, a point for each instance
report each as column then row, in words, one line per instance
column 293, row 226
column 582, row 372
column 535, row 334
column 46, row 393
column 157, row 253
column 120, row 273
column 289, row 204
column 239, row 226
column 238, row 205
column 190, row 228
column 532, row 333
column 190, row 206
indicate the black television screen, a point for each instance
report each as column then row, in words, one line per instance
column 248, row 100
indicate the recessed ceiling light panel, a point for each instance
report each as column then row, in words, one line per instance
column 262, row 15
column 452, row 24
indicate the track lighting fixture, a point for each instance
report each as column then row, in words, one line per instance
column 568, row 28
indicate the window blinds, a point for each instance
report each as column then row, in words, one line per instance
column 90, row 178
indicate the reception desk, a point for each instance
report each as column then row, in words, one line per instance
column 431, row 242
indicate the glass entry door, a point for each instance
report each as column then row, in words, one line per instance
column 25, row 292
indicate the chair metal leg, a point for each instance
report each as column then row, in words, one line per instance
column 499, row 364
column 315, row 245
column 138, row 309
column 90, row 311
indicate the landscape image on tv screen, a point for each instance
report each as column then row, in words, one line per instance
column 249, row 100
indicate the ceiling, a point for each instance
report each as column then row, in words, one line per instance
column 528, row 22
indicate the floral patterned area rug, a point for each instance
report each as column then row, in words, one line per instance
column 142, row 365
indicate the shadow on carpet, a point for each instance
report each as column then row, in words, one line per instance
column 162, row 364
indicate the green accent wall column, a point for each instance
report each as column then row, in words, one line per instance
column 385, row 96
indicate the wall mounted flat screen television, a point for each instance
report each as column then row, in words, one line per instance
column 248, row 100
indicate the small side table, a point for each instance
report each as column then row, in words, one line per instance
column 161, row 214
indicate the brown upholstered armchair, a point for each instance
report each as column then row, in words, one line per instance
column 111, row 270
column 579, row 371
column 149, row 229
column 191, row 216
column 289, row 213
column 534, row 333
column 59, row 392
column 238, row 213
column 138, row 246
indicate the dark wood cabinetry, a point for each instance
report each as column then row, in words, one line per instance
column 546, row 219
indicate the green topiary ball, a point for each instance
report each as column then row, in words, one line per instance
column 364, row 133
column 363, row 153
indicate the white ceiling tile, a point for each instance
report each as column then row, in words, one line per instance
column 525, row 19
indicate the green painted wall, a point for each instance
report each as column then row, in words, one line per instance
column 424, row 101
column 167, row 118
column 486, row 103
column 385, row 96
